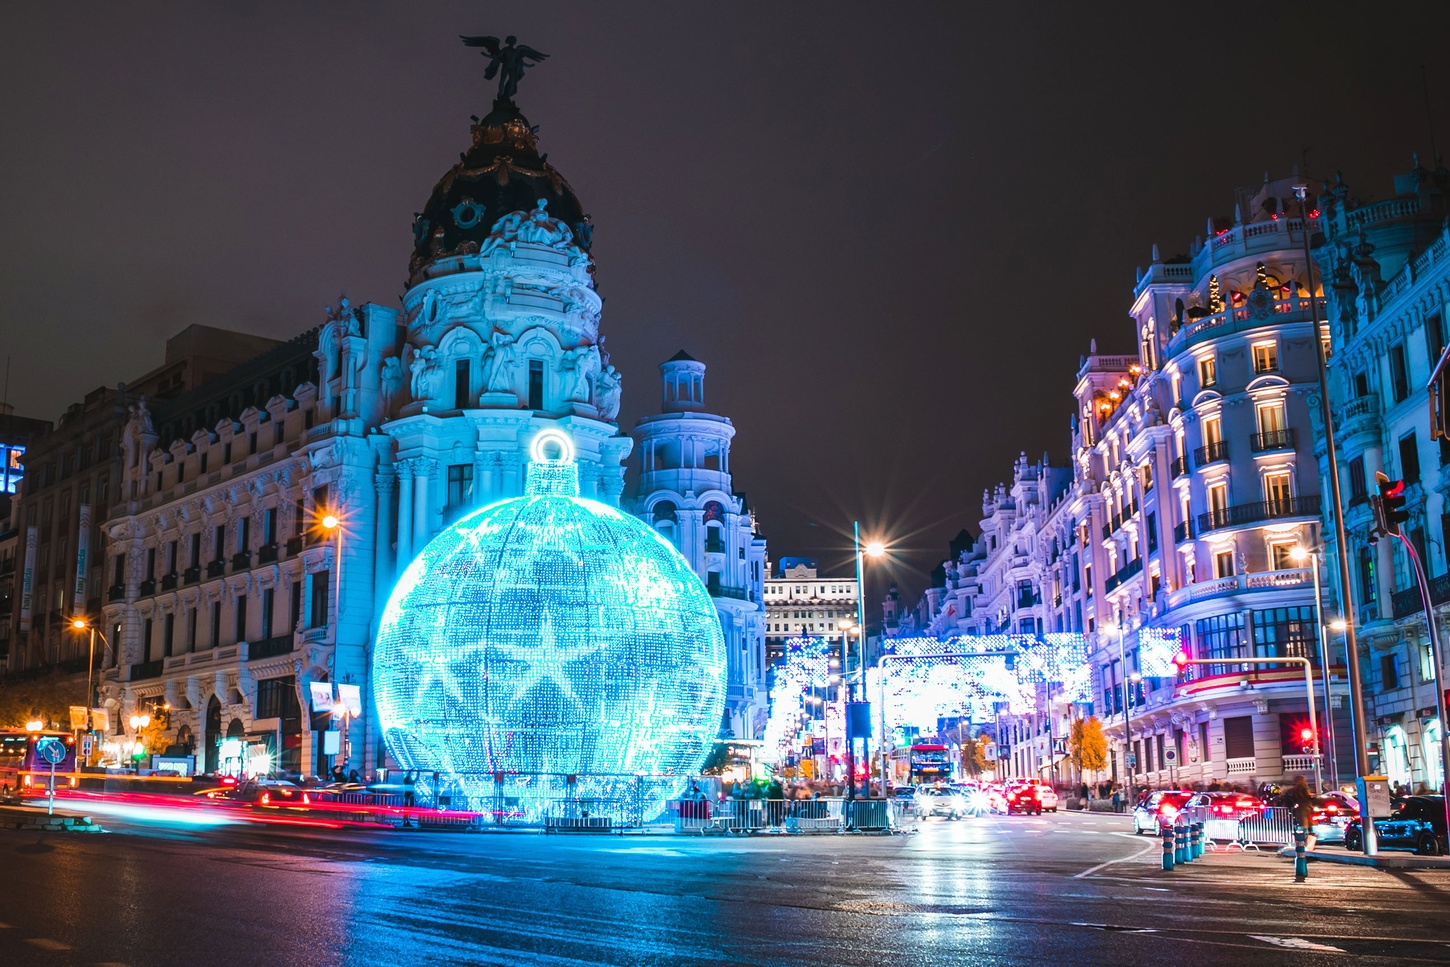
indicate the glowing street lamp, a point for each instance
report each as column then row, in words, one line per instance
column 81, row 624
column 35, row 725
column 332, row 523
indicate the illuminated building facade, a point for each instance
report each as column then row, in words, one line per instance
column 1193, row 478
column 72, row 475
column 799, row 602
column 1388, row 266
column 687, row 494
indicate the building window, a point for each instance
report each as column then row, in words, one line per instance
column 320, row 581
column 460, row 487
column 1212, row 433
column 1277, row 493
column 241, row 617
column 1285, row 633
column 1266, row 357
column 1281, row 557
column 536, row 384
column 1238, row 737
column 462, row 375
column 216, row 623
column 146, row 629
column 1207, row 372
column 168, row 634
column 1399, row 373
column 1409, row 459
column 277, row 698
column 1357, row 490
column 1223, row 564
column 268, row 599
column 1368, row 584
column 1389, row 674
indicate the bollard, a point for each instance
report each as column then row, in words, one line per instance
column 1301, row 862
column 1197, row 839
column 1180, row 843
column 1167, row 847
column 1190, row 842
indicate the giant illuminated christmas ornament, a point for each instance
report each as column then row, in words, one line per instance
column 550, row 648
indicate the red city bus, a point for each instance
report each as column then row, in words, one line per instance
column 24, row 772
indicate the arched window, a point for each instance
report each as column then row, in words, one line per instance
column 665, row 517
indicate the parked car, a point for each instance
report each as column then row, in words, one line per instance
column 1416, row 822
column 1158, row 810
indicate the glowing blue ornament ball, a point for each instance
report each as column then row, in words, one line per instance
column 546, row 638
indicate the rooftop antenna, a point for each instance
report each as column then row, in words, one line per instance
column 1429, row 115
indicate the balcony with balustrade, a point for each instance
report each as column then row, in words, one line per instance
column 1257, row 512
column 1211, row 453
column 1271, row 440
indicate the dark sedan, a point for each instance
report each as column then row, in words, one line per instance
column 1415, row 822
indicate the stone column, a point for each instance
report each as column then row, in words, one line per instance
column 405, row 513
column 382, row 550
column 421, row 531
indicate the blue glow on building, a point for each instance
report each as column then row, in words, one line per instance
column 550, row 637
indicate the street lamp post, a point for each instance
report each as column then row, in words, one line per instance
column 1300, row 554
column 871, row 549
column 333, row 524
column 81, row 624
column 1351, row 647
column 1129, row 762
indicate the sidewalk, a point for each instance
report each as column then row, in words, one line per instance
column 1390, row 860
column 35, row 818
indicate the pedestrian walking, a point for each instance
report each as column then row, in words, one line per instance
column 1300, row 798
column 1117, row 800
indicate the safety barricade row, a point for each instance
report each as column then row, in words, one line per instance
column 745, row 816
column 1269, row 826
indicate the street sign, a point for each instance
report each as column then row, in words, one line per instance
column 51, row 749
column 1132, row 761
column 1170, row 756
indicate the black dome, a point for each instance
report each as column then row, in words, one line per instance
column 501, row 173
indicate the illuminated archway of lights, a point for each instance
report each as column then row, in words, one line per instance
column 549, row 638
column 971, row 677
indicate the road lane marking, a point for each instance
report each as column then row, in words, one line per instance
column 1297, row 943
column 1093, row 869
column 45, row 943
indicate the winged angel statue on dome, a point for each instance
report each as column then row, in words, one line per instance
column 507, row 61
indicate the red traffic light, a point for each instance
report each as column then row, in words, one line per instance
column 1389, row 506
column 1306, row 734
column 1181, row 659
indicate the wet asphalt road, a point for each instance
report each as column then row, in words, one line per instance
column 1065, row 889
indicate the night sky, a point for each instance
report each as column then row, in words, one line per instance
column 890, row 230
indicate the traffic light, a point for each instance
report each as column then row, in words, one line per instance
column 1180, row 662
column 1389, row 506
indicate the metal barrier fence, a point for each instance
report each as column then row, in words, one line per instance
column 1248, row 829
column 745, row 816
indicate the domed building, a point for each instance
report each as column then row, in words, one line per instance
column 232, row 606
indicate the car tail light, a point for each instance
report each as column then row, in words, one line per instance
column 306, row 799
column 1168, row 809
column 1331, row 808
column 26, row 781
column 266, row 798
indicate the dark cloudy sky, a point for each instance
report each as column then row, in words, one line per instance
column 889, row 229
